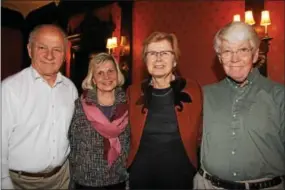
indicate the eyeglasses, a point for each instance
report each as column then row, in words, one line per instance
column 242, row 52
column 162, row 54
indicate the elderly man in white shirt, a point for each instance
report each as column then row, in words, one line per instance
column 37, row 107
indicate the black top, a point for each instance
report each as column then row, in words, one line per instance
column 161, row 149
column 161, row 123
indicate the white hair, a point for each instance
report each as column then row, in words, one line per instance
column 234, row 32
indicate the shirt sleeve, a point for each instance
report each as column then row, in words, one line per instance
column 282, row 113
column 75, row 93
column 279, row 98
column 8, row 122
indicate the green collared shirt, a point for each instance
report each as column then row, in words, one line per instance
column 244, row 132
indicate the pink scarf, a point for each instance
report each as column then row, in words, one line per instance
column 109, row 130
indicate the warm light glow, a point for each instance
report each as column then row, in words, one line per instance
column 249, row 18
column 265, row 18
column 123, row 41
column 125, row 46
column 112, row 43
column 236, row 18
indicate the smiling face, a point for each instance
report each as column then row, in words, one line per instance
column 160, row 60
column 47, row 51
column 105, row 76
column 237, row 59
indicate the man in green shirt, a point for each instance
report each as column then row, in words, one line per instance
column 243, row 144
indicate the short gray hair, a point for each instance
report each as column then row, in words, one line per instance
column 236, row 31
column 96, row 59
column 37, row 29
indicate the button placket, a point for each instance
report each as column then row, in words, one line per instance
column 234, row 133
column 53, row 123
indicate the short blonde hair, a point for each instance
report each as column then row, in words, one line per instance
column 236, row 31
column 96, row 59
column 159, row 36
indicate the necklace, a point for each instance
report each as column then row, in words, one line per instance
column 161, row 95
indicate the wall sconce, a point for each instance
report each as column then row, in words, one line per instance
column 265, row 21
column 125, row 46
column 111, row 44
column 249, row 18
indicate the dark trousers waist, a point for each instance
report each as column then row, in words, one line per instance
column 239, row 185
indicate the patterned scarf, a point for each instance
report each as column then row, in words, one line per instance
column 109, row 130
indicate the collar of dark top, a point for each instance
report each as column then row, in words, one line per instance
column 177, row 86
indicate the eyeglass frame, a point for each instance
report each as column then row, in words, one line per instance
column 237, row 52
column 159, row 53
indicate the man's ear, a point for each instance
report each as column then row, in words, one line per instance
column 29, row 50
column 255, row 56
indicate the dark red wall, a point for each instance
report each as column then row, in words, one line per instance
column 195, row 24
column 276, row 70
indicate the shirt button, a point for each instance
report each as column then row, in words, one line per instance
column 233, row 152
column 53, row 141
column 234, row 133
column 234, row 115
column 236, row 100
column 52, row 106
column 53, row 157
column 234, row 174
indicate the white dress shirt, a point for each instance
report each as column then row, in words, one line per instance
column 35, row 123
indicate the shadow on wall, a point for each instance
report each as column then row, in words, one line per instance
column 218, row 69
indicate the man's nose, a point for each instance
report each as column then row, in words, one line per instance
column 49, row 55
column 234, row 57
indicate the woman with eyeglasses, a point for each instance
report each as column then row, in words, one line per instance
column 165, row 115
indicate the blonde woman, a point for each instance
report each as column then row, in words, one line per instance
column 99, row 132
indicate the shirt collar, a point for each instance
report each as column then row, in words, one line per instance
column 251, row 78
column 37, row 76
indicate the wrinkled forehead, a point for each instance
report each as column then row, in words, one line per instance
column 49, row 33
column 161, row 45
